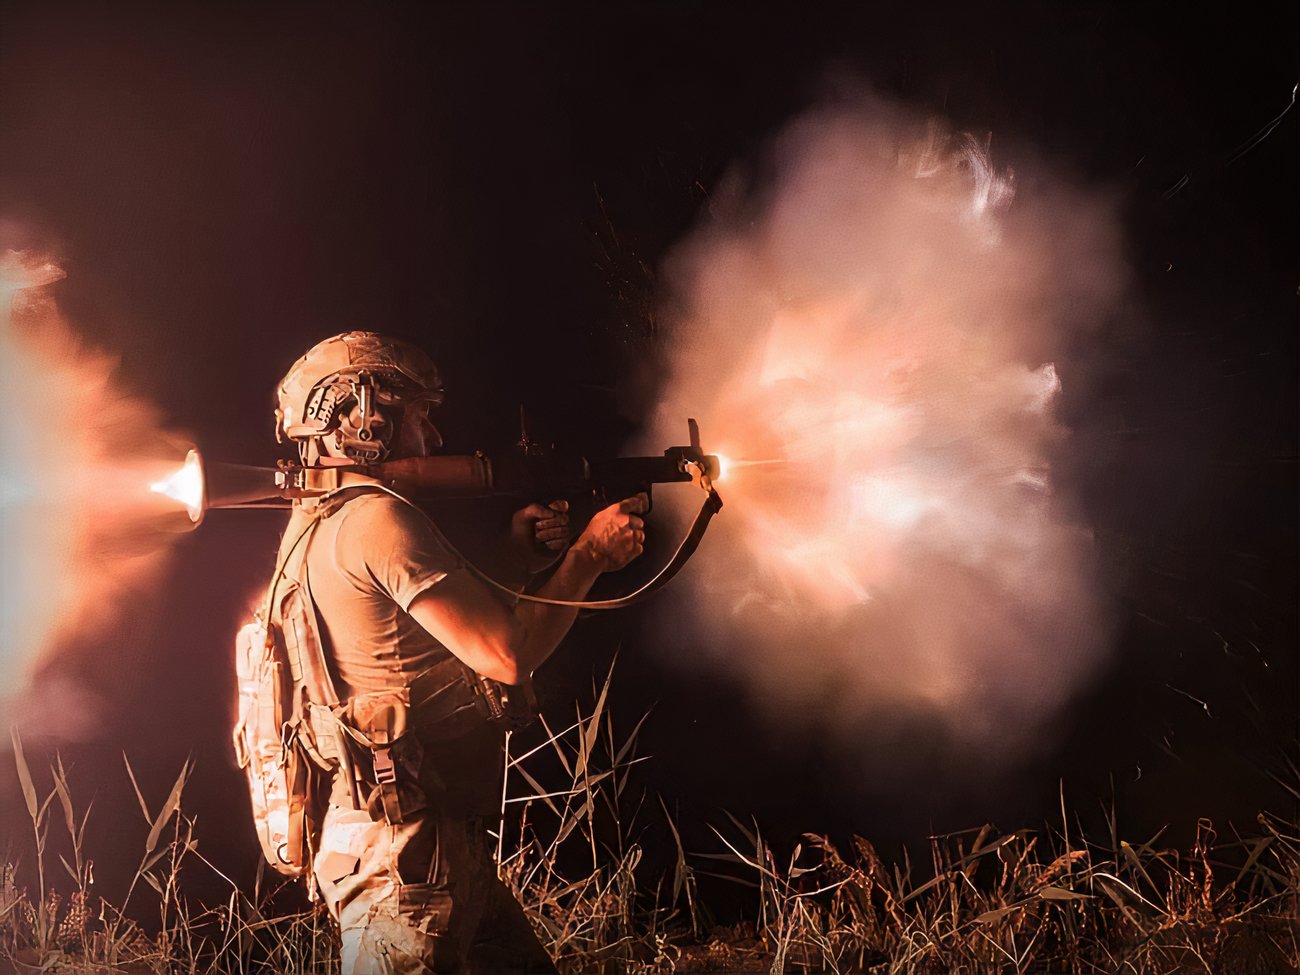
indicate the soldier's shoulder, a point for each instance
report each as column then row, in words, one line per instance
column 372, row 510
column 389, row 529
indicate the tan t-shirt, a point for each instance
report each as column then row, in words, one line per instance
column 366, row 563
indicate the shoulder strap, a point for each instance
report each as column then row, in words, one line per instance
column 307, row 658
column 302, row 630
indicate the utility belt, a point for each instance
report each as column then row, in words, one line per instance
column 375, row 741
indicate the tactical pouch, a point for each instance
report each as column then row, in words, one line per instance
column 381, row 719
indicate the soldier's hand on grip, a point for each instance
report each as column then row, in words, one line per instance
column 616, row 535
column 539, row 533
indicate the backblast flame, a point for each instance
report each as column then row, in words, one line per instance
column 186, row 485
column 85, row 541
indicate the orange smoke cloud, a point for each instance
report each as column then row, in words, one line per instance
column 887, row 324
column 84, row 538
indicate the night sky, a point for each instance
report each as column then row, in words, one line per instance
column 499, row 183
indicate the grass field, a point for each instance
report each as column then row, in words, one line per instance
column 1045, row 900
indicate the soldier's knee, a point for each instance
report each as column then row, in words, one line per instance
column 406, row 931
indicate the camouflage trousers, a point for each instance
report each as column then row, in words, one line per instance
column 421, row 895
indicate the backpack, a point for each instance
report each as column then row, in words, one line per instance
column 279, row 666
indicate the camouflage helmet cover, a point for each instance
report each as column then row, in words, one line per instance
column 396, row 371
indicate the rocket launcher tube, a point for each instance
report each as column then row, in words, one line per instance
column 452, row 476
column 477, row 475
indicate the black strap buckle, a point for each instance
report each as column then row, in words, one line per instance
column 385, row 770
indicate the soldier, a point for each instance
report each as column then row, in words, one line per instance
column 416, row 645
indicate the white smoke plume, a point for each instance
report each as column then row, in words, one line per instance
column 84, row 538
column 875, row 333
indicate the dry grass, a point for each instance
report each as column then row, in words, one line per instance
column 571, row 856
column 67, row 927
column 1023, row 902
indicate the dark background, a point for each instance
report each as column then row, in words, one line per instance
column 226, row 187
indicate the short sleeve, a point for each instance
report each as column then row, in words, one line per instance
column 385, row 545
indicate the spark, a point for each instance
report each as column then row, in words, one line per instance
column 1193, row 698
column 1151, row 619
column 1174, row 190
column 1264, row 132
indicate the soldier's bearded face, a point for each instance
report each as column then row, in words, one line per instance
column 418, row 436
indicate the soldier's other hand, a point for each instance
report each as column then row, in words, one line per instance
column 616, row 535
column 538, row 533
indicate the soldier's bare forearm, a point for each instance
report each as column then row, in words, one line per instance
column 507, row 643
column 543, row 626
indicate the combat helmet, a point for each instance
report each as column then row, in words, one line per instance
column 353, row 387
